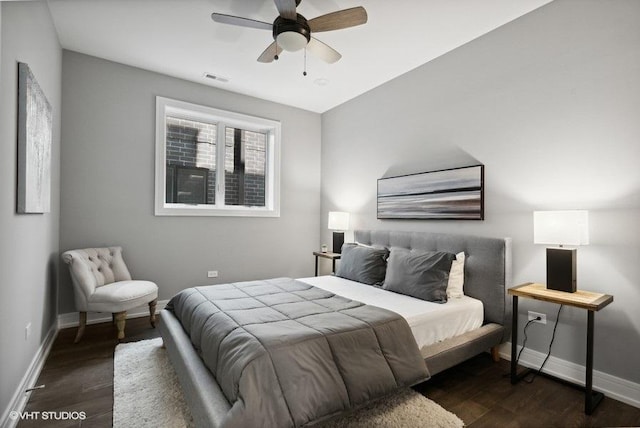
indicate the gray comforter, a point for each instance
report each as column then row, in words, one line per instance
column 286, row 353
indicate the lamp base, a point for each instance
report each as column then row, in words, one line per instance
column 338, row 240
column 561, row 269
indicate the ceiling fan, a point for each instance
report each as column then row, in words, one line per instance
column 292, row 31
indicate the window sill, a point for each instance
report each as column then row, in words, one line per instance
column 204, row 211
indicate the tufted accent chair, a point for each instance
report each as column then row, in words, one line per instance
column 102, row 283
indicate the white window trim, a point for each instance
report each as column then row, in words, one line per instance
column 197, row 112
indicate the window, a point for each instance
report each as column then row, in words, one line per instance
column 215, row 162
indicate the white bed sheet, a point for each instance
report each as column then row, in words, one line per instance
column 430, row 322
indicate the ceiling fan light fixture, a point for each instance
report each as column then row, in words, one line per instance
column 291, row 41
column 291, row 35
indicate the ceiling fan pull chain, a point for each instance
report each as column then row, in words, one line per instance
column 276, row 57
column 304, row 73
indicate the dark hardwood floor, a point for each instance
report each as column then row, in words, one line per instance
column 479, row 391
column 80, row 378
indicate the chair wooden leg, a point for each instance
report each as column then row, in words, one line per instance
column 120, row 321
column 82, row 322
column 152, row 312
column 495, row 353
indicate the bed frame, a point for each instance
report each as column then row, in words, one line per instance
column 487, row 276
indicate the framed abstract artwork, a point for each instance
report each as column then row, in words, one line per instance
column 34, row 145
column 449, row 194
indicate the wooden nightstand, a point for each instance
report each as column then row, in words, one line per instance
column 328, row 255
column 590, row 301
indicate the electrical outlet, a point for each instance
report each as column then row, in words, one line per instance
column 27, row 331
column 212, row 274
column 534, row 315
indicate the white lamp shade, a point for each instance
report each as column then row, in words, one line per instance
column 338, row 220
column 561, row 227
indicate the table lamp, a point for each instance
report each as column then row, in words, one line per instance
column 338, row 222
column 561, row 228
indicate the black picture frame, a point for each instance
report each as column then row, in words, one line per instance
column 447, row 194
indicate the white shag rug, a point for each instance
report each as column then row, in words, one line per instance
column 147, row 393
column 146, row 390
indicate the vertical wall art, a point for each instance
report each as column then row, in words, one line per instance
column 34, row 145
column 451, row 194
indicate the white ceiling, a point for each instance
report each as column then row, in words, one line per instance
column 178, row 38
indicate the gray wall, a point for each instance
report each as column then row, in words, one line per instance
column 28, row 242
column 549, row 104
column 108, row 184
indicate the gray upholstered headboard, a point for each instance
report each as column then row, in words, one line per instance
column 487, row 270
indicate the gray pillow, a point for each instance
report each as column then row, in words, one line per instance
column 420, row 274
column 363, row 264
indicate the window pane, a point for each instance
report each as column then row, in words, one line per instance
column 245, row 167
column 191, row 161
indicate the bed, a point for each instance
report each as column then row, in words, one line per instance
column 486, row 276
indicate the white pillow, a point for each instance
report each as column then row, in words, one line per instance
column 456, row 277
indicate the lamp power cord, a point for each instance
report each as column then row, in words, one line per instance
column 524, row 343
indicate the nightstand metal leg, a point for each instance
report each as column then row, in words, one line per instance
column 515, row 376
column 591, row 399
column 316, row 265
column 514, row 339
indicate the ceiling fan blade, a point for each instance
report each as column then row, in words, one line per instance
column 338, row 20
column 287, row 9
column 323, row 51
column 243, row 22
column 270, row 52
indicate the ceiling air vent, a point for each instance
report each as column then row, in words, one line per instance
column 216, row 77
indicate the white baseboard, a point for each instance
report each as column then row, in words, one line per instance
column 20, row 397
column 71, row 319
column 612, row 386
